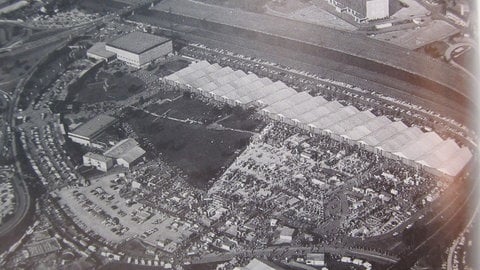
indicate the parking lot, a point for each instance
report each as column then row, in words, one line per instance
column 100, row 206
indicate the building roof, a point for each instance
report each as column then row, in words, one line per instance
column 137, row 42
column 440, row 154
column 99, row 50
column 256, row 264
column 383, row 134
column 287, row 231
column 454, row 165
column 368, row 127
column 316, row 256
column 98, row 157
column 421, row 146
column 94, row 126
column 351, row 122
column 395, row 142
column 283, row 102
column 127, row 150
column 335, row 117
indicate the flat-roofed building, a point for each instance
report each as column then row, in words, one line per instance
column 259, row 264
column 126, row 152
column 85, row 133
column 138, row 49
column 100, row 162
column 317, row 259
column 98, row 52
column 363, row 10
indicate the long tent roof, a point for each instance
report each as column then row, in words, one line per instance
column 421, row 146
column 383, row 134
column 457, row 163
column 408, row 143
column 395, row 143
column 351, row 122
column 440, row 154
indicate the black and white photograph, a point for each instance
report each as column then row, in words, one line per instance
column 239, row 135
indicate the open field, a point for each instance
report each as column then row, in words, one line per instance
column 188, row 108
column 243, row 120
column 106, row 87
column 200, row 152
column 171, row 67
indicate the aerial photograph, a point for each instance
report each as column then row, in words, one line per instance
column 239, row 134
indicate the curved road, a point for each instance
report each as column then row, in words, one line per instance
column 366, row 254
column 23, row 199
column 22, row 196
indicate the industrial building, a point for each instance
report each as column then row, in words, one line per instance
column 98, row 52
column 85, row 133
column 138, row 49
column 259, row 264
column 363, row 10
column 100, row 162
column 277, row 101
column 125, row 153
column 316, row 259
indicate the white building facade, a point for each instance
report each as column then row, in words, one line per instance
column 139, row 49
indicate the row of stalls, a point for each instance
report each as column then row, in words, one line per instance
column 279, row 102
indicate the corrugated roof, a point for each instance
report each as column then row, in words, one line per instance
column 440, row 154
column 137, row 42
column 97, row 157
column 454, row 165
column 90, row 128
column 383, row 134
column 209, row 87
column 98, row 49
column 275, row 97
column 319, row 112
column 280, row 100
column 222, row 90
column 351, row 122
column 394, row 143
column 421, row 146
column 358, row 132
column 334, row 117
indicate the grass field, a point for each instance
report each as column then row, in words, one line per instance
column 171, row 67
column 243, row 120
column 187, row 108
column 119, row 86
column 201, row 153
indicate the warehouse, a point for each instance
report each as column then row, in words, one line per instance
column 100, row 162
column 138, row 49
column 277, row 101
column 98, row 52
column 85, row 133
column 363, row 10
column 125, row 153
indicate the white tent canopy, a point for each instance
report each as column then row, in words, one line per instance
column 316, row 114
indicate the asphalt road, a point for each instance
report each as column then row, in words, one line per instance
column 22, row 197
column 289, row 251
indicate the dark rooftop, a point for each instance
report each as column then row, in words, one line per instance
column 94, row 126
column 99, row 50
column 137, row 42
